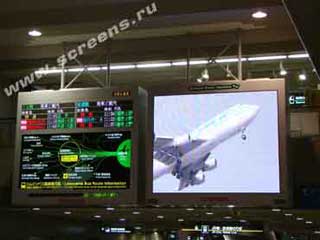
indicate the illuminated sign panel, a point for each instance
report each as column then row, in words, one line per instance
column 220, row 229
column 82, row 114
column 116, row 230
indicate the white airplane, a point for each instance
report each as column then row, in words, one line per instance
column 188, row 156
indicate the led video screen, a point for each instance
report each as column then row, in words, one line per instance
column 216, row 143
column 76, row 161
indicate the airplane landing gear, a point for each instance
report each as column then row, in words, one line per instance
column 243, row 135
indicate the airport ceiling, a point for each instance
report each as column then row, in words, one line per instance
column 204, row 27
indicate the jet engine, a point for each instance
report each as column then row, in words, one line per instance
column 198, row 178
column 210, row 164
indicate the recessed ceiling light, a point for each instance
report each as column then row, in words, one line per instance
column 243, row 221
column 276, row 210
column 227, row 217
column 190, row 209
column 180, row 220
column 309, row 222
column 259, row 14
column 209, row 213
column 288, row 214
column 137, row 228
column 34, row 33
column 231, row 206
column 299, row 218
column 160, row 217
column 122, row 219
column 110, row 209
column 67, row 212
column 36, row 209
column 135, row 213
column 97, row 216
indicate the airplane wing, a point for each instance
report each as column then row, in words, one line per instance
column 161, row 142
column 160, row 169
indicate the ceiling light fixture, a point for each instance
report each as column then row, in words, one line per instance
column 309, row 222
column 97, row 216
column 160, row 217
column 276, row 210
column 122, row 67
column 67, row 212
column 181, row 63
column 75, row 69
column 35, row 209
column 93, row 69
column 45, row 72
column 110, row 209
column 34, row 33
column 259, row 14
column 303, row 76
column 199, row 62
column 288, row 214
column 230, row 60
column 136, row 213
column 190, row 209
column 299, row 219
column 267, row 58
column 169, row 64
column 122, row 219
column 154, row 65
column 283, row 71
column 209, row 213
column 298, row 56
column 180, row 220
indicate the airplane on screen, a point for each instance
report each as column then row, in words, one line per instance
column 189, row 156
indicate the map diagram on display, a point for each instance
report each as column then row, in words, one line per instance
column 76, row 161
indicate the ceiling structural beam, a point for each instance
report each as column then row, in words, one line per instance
column 220, row 54
column 178, row 62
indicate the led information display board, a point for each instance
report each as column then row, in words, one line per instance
column 219, row 145
column 82, row 114
column 76, row 147
column 76, row 161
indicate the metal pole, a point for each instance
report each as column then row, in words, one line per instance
column 188, row 65
column 108, row 73
column 240, row 72
column 62, row 80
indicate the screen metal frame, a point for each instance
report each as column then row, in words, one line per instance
column 70, row 197
column 221, row 199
